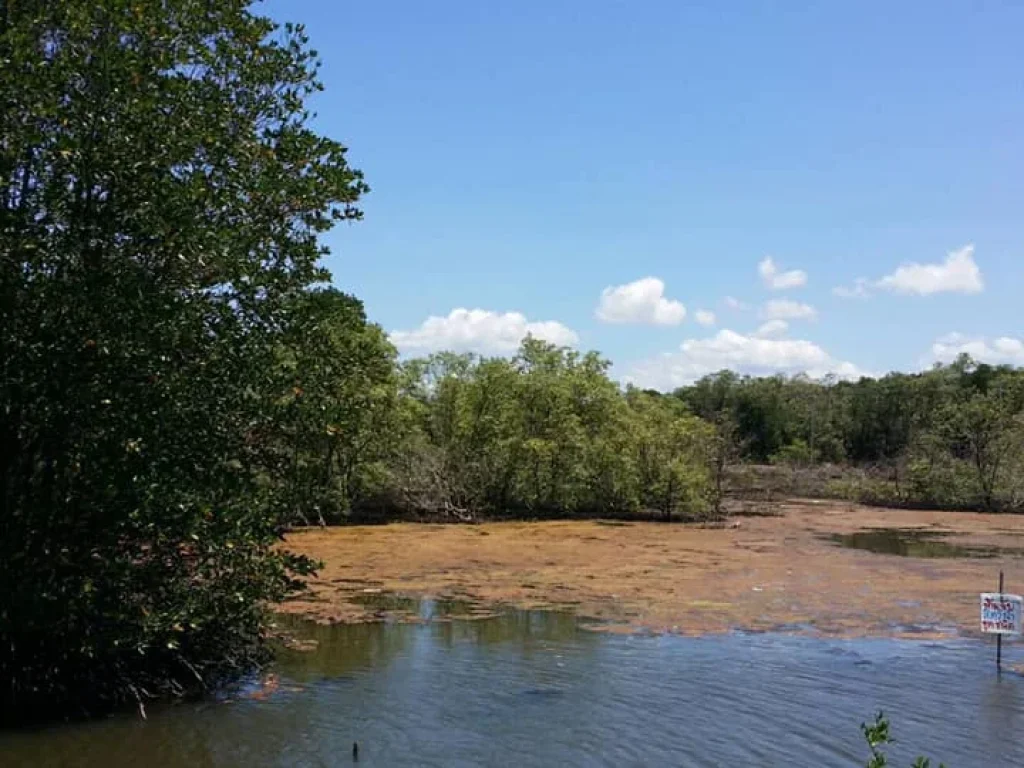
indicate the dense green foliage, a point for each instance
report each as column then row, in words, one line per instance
column 338, row 409
column 160, row 203
column 952, row 436
column 458, row 437
column 545, row 433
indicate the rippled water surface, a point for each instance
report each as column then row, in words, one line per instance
column 535, row 689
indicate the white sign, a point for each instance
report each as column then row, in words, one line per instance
column 1001, row 613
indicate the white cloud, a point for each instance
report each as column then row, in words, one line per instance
column 733, row 303
column 479, row 330
column 784, row 309
column 859, row 290
column 843, row 370
column 704, row 317
column 959, row 273
column 772, row 328
column 777, row 280
column 738, row 352
column 1004, row 349
column 642, row 301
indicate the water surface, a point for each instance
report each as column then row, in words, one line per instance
column 914, row 542
column 535, row 689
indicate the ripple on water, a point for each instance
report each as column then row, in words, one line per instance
column 528, row 688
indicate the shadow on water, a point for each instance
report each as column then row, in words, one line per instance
column 913, row 542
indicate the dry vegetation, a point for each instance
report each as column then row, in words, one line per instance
column 759, row 573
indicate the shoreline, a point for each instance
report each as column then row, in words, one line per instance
column 783, row 573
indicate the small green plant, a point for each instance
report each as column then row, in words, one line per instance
column 877, row 735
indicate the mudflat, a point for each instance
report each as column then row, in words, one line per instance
column 820, row 567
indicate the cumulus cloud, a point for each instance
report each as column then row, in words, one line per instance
column 733, row 303
column 752, row 354
column 845, row 370
column 642, row 301
column 704, row 316
column 776, row 279
column 1003, row 349
column 959, row 273
column 784, row 309
column 481, row 331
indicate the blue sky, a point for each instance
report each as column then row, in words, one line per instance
column 531, row 162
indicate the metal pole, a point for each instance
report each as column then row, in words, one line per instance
column 999, row 637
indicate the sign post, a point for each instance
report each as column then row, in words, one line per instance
column 999, row 638
column 1001, row 614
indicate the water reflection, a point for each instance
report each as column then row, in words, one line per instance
column 391, row 604
column 913, row 542
column 529, row 688
column 335, row 652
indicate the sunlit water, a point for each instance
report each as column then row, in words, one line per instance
column 534, row 689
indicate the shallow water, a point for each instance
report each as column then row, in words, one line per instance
column 535, row 689
column 913, row 542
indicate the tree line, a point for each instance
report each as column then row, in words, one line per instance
column 458, row 437
column 951, row 436
column 549, row 433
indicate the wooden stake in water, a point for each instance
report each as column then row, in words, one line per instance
column 999, row 638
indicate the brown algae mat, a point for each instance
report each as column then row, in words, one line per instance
column 797, row 571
